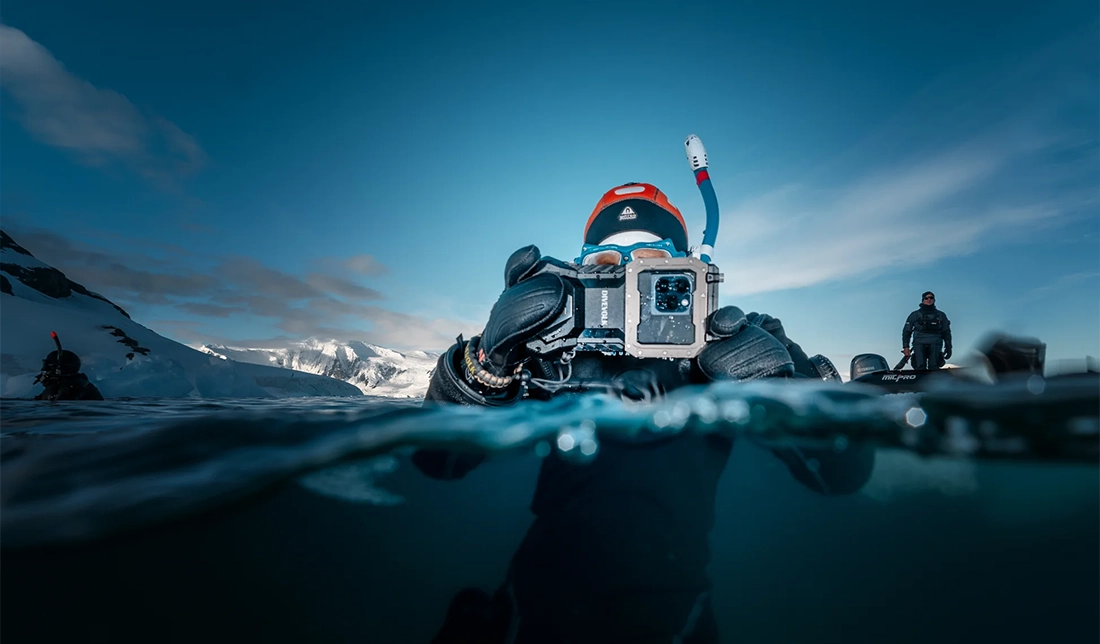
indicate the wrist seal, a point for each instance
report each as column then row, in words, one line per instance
column 450, row 383
column 473, row 356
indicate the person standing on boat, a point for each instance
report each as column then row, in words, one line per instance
column 930, row 331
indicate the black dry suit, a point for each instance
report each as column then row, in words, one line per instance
column 62, row 379
column 931, row 334
column 619, row 547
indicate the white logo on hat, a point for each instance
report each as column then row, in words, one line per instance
column 627, row 213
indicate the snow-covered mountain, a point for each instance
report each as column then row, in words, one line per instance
column 121, row 357
column 375, row 370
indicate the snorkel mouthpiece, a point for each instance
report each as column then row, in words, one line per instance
column 697, row 154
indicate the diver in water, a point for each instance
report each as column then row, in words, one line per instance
column 931, row 333
column 619, row 546
column 62, row 378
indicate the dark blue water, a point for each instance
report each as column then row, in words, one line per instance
column 303, row 521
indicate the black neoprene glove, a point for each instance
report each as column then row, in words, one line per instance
column 528, row 305
column 744, row 351
column 947, row 352
column 817, row 366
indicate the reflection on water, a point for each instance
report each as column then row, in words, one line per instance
column 156, row 520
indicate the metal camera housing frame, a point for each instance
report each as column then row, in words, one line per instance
column 636, row 305
column 610, row 309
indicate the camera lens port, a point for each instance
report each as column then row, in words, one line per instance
column 672, row 294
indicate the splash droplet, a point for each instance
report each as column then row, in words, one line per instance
column 588, row 447
column 735, row 411
column 578, row 444
column 705, row 410
column 680, row 414
column 916, row 417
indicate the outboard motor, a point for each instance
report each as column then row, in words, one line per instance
column 1014, row 354
column 866, row 363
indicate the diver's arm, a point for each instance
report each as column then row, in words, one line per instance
column 827, row 471
column 484, row 374
column 449, row 385
column 822, row 470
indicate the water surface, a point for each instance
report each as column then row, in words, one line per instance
column 303, row 520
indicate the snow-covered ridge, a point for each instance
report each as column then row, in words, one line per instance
column 375, row 370
column 121, row 357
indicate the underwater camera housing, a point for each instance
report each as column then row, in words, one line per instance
column 649, row 308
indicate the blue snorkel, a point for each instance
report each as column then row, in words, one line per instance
column 697, row 157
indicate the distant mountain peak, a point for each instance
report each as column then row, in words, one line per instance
column 374, row 369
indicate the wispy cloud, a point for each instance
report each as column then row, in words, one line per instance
column 978, row 158
column 1064, row 282
column 100, row 126
column 327, row 303
column 342, row 287
column 364, row 265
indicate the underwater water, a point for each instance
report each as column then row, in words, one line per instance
column 165, row 520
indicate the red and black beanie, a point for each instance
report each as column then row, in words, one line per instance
column 636, row 206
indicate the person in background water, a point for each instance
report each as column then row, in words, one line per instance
column 62, row 378
column 619, row 548
column 931, row 334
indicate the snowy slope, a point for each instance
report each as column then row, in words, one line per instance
column 122, row 357
column 375, row 370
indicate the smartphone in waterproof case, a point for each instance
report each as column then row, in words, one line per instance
column 649, row 308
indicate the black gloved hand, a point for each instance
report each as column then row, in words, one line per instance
column 947, row 352
column 526, row 307
column 744, row 352
column 803, row 364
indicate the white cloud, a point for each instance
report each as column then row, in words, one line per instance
column 1064, row 282
column 100, row 126
column 405, row 331
column 364, row 265
column 328, row 303
column 987, row 157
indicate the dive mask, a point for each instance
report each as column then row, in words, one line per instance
column 616, row 254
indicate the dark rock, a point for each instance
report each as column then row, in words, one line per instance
column 83, row 291
column 5, row 285
column 128, row 341
column 8, row 242
column 48, row 281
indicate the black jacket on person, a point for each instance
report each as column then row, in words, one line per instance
column 927, row 325
column 69, row 387
column 619, row 546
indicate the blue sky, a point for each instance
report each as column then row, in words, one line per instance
column 362, row 171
